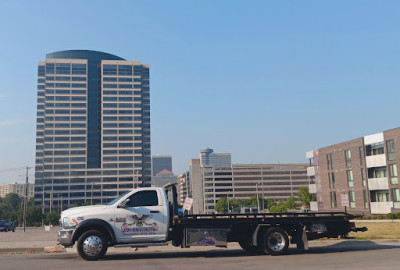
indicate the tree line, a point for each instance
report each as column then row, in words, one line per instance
column 12, row 208
column 265, row 204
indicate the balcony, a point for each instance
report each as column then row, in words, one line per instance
column 376, row 161
column 381, row 207
column 312, row 188
column 378, row 183
column 310, row 171
column 314, row 206
column 374, row 138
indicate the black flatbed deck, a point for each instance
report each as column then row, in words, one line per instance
column 262, row 218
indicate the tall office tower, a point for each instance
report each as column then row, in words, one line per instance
column 218, row 160
column 93, row 127
column 161, row 162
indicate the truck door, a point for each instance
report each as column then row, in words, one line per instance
column 143, row 219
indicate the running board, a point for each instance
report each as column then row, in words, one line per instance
column 142, row 244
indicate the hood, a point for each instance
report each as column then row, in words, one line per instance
column 82, row 209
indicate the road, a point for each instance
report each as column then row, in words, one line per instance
column 342, row 255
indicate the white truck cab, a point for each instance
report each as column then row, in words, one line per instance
column 139, row 216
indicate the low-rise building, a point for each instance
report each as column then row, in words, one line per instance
column 243, row 181
column 18, row 189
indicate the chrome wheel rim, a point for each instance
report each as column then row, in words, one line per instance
column 276, row 241
column 92, row 245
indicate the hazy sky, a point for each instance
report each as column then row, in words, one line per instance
column 264, row 80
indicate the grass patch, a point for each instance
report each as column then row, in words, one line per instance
column 378, row 230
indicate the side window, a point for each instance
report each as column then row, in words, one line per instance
column 144, row 198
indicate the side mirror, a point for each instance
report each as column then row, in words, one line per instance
column 124, row 203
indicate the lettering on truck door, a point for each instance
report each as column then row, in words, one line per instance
column 143, row 219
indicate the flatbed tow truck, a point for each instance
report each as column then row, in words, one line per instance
column 149, row 217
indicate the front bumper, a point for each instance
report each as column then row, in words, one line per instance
column 65, row 237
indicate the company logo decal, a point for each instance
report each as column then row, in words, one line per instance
column 137, row 225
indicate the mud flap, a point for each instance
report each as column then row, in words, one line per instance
column 302, row 241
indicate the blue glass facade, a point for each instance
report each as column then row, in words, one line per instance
column 94, row 96
column 93, row 127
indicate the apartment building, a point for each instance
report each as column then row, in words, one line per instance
column 16, row 188
column 362, row 171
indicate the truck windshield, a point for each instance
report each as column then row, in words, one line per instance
column 117, row 199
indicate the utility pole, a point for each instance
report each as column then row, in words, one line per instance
column 42, row 205
column 51, row 199
column 26, row 198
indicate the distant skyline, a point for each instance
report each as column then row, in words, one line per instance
column 263, row 80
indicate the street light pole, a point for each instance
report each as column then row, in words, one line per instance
column 91, row 195
column 258, row 201
column 26, row 198
column 42, row 205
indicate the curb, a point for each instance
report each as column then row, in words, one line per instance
column 21, row 250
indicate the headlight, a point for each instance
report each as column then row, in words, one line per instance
column 69, row 222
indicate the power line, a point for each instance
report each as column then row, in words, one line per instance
column 13, row 169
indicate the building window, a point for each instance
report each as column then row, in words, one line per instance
column 365, row 196
column 352, row 199
column 361, row 151
column 350, row 180
column 330, row 161
column 364, row 179
column 347, row 156
column 390, row 150
column 333, row 199
column 394, row 180
column 396, row 198
column 331, row 180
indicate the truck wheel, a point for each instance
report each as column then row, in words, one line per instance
column 275, row 242
column 248, row 247
column 92, row 245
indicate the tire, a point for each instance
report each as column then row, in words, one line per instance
column 14, row 229
column 249, row 248
column 92, row 245
column 275, row 241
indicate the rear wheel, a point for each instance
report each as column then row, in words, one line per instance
column 92, row 245
column 275, row 241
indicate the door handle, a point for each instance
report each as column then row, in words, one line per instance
column 154, row 211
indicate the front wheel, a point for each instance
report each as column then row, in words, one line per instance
column 275, row 242
column 92, row 245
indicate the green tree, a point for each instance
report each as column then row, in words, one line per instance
column 305, row 196
column 291, row 203
column 9, row 207
column 33, row 216
column 11, row 202
column 222, row 205
column 52, row 218
column 284, row 206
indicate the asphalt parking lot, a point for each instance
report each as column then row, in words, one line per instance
column 342, row 255
column 326, row 254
